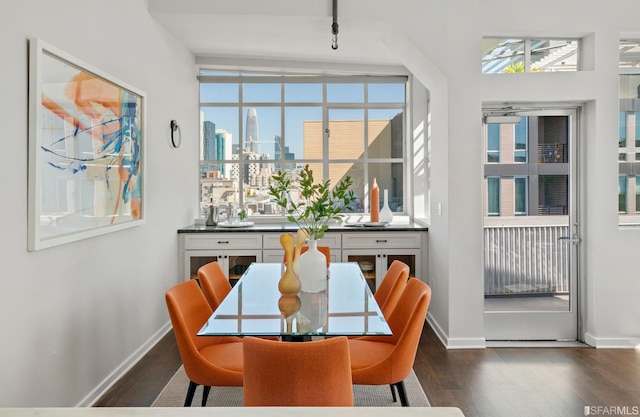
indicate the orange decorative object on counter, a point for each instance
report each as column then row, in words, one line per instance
column 375, row 202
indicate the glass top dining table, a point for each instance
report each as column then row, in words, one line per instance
column 255, row 307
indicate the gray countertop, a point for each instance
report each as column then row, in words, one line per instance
column 292, row 227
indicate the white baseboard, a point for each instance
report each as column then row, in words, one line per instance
column 119, row 372
column 612, row 342
column 455, row 343
column 466, row 343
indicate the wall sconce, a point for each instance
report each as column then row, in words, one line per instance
column 176, row 134
column 334, row 26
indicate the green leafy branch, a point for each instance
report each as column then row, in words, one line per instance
column 318, row 205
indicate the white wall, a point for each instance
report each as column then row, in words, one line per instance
column 73, row 316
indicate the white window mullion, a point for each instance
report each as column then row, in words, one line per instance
column 527, row 55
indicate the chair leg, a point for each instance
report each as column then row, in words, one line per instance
column 190, row 392
column 393, row 393
column 402, row 393
column 205, row 395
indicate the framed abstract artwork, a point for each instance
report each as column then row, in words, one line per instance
column 86, row 150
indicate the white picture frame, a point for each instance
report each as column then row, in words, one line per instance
column 86, row 150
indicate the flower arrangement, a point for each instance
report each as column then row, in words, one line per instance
column 318, row 205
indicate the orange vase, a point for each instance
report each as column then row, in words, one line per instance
column 289, row 283
column 375, row 202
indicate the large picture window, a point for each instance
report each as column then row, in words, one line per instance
column 254, row 125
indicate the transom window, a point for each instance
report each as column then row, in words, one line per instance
column 509, row 55
column 254, row 125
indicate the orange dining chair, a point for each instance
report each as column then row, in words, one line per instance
column 326, row 250
column 382, row 360
column 214, row 283
column 208, row 361
column 315, row 373
column 391, row 286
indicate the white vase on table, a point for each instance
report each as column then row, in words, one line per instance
column 313, row 269
column 386, row 215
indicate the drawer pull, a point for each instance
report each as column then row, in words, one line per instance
column 223, row 241
column 381, row 240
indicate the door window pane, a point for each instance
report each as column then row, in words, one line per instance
column 553, row 194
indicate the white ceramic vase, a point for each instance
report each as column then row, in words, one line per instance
column 386, row 215
column 313, row 269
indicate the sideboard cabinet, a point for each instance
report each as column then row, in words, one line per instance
column 373, row 250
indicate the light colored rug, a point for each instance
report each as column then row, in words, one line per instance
column 174, row 393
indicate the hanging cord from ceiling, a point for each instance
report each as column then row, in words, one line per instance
column 334, row 26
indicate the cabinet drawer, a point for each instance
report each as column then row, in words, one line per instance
column 223, row 241
column 380, row 240
column 272, row 240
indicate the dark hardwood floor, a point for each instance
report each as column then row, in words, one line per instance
column 509, row 382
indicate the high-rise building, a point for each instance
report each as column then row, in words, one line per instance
column 208, row 147
column 251, row 141
column 208, row 141
column 287, row 155
column 224, row 150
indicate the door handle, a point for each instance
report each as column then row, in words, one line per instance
column 574, row 240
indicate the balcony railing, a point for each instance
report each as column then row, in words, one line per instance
column 523, row 260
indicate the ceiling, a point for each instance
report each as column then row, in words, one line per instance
column 291, row 30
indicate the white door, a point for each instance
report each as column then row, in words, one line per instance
column 531, row 226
